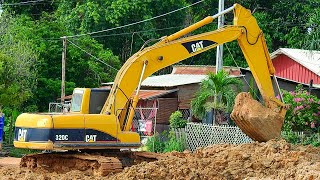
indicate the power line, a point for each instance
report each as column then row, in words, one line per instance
column 139, row 22
column 120, row 34
column 129, row 33
column 25, row 3
column 92, row 56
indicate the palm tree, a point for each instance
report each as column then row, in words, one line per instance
column 216, row 92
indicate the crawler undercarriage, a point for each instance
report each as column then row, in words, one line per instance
column 99, row 163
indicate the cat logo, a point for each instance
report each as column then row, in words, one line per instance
column 22, row 133
column 197, row 46
column 91, row 138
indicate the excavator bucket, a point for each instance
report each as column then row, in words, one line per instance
column 257, row 121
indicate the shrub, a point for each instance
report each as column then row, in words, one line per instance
column 156, row 143
column 174, row 144
column 304, row 111
column 176, row 120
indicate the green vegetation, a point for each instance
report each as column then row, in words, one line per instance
column 304, row 111
column 216, row 92
column 15, row 152
column 176, row 120
column 303, row 115
column 167, row 140
column 30, row 44
column 156, row 143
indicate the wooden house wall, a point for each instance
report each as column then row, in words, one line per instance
column 166, row 107
column 186, row 93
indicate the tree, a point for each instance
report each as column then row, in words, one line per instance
column 17, row 64
column 217, row 91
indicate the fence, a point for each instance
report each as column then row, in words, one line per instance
column 202, row 135
column 186, row 113
column 144, row 121
column 58, row 107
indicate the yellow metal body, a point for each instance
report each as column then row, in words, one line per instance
column 113, row 119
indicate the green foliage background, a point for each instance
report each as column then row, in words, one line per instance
column 30, row 44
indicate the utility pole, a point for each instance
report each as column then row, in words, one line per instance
column 63, row 69
column 219, row 57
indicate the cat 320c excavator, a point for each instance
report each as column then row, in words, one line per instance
column 100, row 121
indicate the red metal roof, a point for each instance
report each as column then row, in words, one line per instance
column 202, row 70
column 151, row 94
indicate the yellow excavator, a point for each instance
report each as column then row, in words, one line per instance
column 101, row 119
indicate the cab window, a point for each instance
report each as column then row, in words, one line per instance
column 76, row 101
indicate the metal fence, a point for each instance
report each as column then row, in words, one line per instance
column 58, row 107
column 202, row 135
column 186, row 113
column 144, row 121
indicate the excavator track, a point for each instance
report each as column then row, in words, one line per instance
column 95, row 163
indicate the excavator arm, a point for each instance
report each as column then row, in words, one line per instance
column 170, row 50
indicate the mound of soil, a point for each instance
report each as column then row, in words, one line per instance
column 271, row 160
column 274, row 159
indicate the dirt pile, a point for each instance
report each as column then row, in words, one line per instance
column 271, row 160
column 274, row 159
column 254, row 119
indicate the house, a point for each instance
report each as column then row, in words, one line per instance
column 285, row 84
column 171, row 92
column 186, row 80
column 297, row 65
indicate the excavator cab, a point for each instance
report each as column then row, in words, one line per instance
column 88, row 101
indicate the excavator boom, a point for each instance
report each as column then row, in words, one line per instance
column 171, row 50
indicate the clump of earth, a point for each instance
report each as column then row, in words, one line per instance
column 271, row 160
column 275, row 159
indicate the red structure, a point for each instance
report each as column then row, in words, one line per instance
column 297, row 65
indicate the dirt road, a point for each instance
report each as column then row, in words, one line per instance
column 9, row 161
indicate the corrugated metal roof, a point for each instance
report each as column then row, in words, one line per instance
column 151, row 94
column 202, row 69
column 307, row 58
column 172, row 80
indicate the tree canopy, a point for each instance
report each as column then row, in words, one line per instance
column 30, row 54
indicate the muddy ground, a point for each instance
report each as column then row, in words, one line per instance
column 271, row 160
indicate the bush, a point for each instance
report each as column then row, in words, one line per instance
column 304, row 111
column 176, row 120
column 156, row 143
column 174, row 144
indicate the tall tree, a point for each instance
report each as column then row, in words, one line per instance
column 17, row 62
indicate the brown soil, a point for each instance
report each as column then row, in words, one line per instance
column 9, row 161
column 254, row 119
column 271, row 160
